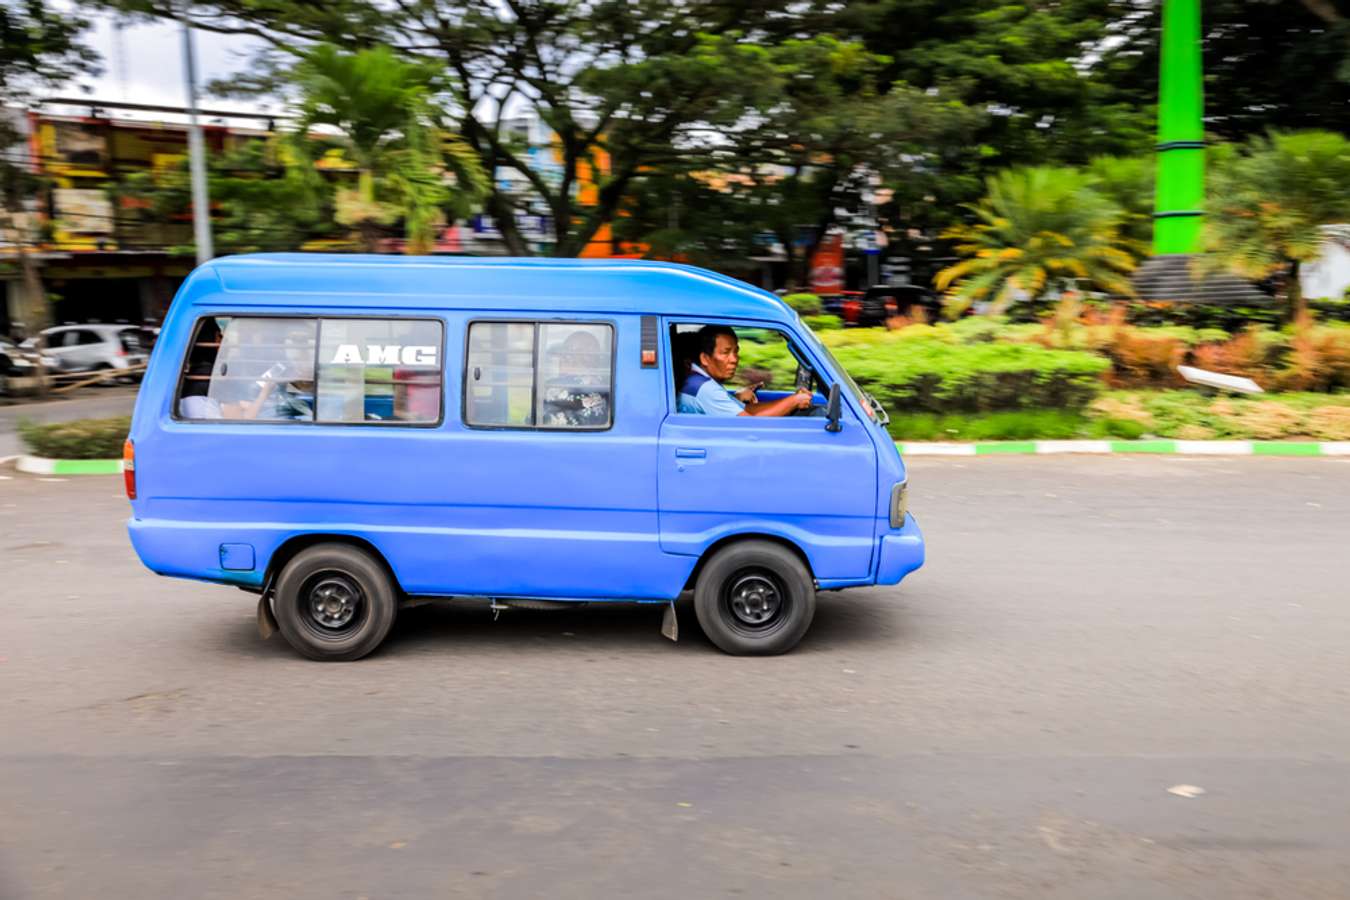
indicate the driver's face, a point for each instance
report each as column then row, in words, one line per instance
column 724, row 359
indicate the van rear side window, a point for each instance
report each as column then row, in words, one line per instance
column 373, row 370
column 556, row 375
column 263, row 368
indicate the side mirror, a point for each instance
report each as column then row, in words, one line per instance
column 832, row 409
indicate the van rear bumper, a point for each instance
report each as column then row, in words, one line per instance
column 900, row 553
column 196, row 553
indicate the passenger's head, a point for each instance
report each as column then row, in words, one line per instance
column 718, row 351
column 686, row 353
column 578, row 352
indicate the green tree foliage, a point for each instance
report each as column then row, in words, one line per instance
column 824, row 132
column 625, row 86
column 1127, row 181
column 1270, row 202
column 1038, row 230
column 1043, row 69
column 1281, row 64
column 265, row 195
column 384, row 110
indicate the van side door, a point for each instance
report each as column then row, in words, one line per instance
column 549, row 482
column 787, row 477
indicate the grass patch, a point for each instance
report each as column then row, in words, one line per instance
column 1012, row 425
column 81, row 439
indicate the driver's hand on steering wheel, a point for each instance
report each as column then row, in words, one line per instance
column 803, row 398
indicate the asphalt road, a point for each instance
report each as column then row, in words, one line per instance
column 1087, row 634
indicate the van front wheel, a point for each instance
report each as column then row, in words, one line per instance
column 334, row 602
column 755, row 598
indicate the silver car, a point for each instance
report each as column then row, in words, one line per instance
column 93, row 347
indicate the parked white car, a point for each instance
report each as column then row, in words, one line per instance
column 92, row 347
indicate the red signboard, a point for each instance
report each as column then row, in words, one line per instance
column 827, row 265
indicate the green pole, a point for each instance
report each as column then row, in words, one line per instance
column 1181, row 132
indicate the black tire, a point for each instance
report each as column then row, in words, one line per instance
column 334, row 602
column 755, row 598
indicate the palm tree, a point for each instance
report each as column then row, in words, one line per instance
column 1038, row 230
column 409, row 166
column 1270, row 203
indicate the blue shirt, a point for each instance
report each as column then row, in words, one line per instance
column 702, row 394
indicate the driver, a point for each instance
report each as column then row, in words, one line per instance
column 718, row 357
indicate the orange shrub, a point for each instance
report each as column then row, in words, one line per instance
column 1243, row 355
column 1139, row 359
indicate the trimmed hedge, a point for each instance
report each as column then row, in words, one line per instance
column 804, row 304
column 81, row 439
column 919, row 369
column 934, row 376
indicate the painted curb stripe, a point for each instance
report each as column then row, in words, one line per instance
column 1143, row 446
column 1188, row 448
column 37, row 465
column 1005, row 447
column 88, row 467
column 1280, row 448
column 937, row 449
column 1073, row 446
column 1215, row 448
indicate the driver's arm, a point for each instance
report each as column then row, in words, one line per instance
column 783, row 406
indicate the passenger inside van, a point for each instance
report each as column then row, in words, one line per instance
column 703, row 390
column 577, row 396
column 273, row 398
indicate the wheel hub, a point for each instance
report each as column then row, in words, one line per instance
column 755, row 600
column 333, row 602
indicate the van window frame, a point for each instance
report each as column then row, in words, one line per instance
column 318, row 341
column 534, row 384
column 799, row 349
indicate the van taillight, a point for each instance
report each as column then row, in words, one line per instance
column 129, row 468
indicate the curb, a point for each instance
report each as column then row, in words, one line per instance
column 1165, row 447
column 39, row 465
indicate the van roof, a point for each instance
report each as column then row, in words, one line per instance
column 503, row 284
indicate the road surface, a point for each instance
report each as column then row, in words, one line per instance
column 1088, row 634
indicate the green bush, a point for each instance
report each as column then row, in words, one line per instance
column 922, row 369
column 804, row 304
column 930, row 375
column 1193, row 415
column 824, row 322
column 81, row 439
column 1015, row 425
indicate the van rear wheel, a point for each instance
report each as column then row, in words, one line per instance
column 334, row 602
column 755, row 598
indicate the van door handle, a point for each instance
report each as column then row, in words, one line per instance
column 690, row 453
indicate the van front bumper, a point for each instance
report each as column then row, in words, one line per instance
column 900, row 553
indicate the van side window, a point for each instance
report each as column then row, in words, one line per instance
column 250, row 368
column 556, row 375
column 378, row 370
column 262, row 368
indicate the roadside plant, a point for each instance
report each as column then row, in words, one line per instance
column 391, row 127
column 1272, row 207
column 1038, row 232
column 80, row 439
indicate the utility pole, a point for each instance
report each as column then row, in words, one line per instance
column 1179, row 201
column 201, row 200
column 1180, row 194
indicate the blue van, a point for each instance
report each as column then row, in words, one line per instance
column 343, row 435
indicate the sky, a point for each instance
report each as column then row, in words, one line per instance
column 144, row 64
